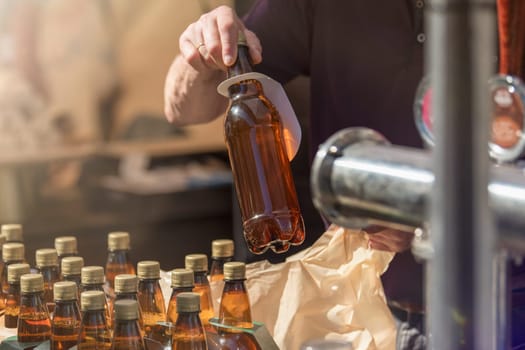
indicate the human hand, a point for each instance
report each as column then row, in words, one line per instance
column 210, row 43
column 382, row 238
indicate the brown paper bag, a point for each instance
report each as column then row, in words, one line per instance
column 331, row 290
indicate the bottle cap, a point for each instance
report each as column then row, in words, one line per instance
column 118, row 241
column 13, row 251
column 14, row 271
column 196, row 262
column 126, row 283
column 31, row 282
column 126, row 309
column 46, row 257
column 182, row 278
column 188, row 302
column 92, row 275
column 12, row 232
column 65, row 290
column 66, row 245
column 92, row 300
column 148, row 270
column 241, row 38
column 222, row 248
column 234, row 270
column 72, row 265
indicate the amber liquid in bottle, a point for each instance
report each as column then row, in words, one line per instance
column 202, row 287
column 12, row 306
column 51, row 275
column 94, row 331
column 188, row 333
column 261, row 169
column 172, row 304
column 127, row 334
column 66, row 325
column 152, row 306
column 34, row 324
column 118, row 263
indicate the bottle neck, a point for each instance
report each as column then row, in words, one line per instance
column 242, row 64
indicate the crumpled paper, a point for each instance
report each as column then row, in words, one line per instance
column 331, row 290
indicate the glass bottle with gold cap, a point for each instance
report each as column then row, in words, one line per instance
column 261, row 170
column 2, row 267
column 234, row 311
column 66, row 246
column 12, row 299
column 126, row 333
column 189, row 332
column 93, row 278
column 34, row 324
column 72, row 270
column 65, row 326
column 182, row 280
column 126, row 288
column 94, row 330
column 151, row 299
column 47, row 265
column 12, row 253
column 198, row 263
column 221, row 252
column 13, row 233
column 118, row 261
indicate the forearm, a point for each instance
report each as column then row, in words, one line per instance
column 190, row 96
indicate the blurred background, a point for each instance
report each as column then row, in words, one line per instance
column 84, row 145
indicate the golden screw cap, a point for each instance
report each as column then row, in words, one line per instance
column 31, row 282
column 72, row 265
column 92, row 300
column 182, row 278
column 118, row 241
column 234, row 270
column 148, row 269
column 222, row 248
column 14, row 271
column 126, row 283
column 126, row 310
column 65, row 290
column 46, row 257
column 92, row 275
column 196, row 262
column 12, row 232
column 188, row 302
column 13, row 252
column 66, row 245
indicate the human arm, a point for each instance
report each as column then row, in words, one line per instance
column 207, row 47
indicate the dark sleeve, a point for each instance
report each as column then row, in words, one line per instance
column 284, row 28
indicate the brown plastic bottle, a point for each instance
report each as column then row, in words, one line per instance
column 126, row 334
column 66, row 246
column 221, row 252
column 65, row 326
column 12, row 299
column 198, row 263
column 71, row 269
column 94, row 330
column 188, row 333
column 93, row 278
column 151, row 300
column 261, row 169
column 34, row 324
column 126, row 288
column 118, row 261
column 47, row 265
column 182, row 281
column 12, row 253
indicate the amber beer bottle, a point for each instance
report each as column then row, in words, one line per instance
column 47, row 265
column 221, row 252
column 12, row 253
column 34, row 324
column 188, row 333
column 198, row 263
column 126, row 334
column 65, row 326
column 126, row 288
column 181, row 281
column 65, row 246
column 234, row 311
column 151, row 300
column 261, row 169
column 94, row 330
column 12, row 299
column 118, row 261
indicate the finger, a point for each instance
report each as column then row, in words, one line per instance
column 254, row 45
column 212, row 51
column 229, row 28
column 191, row 55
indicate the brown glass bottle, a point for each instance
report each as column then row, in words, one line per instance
column 261, row 169
column 47, row 265
column 234, row 311
column 198, row 263
column 188, row 333
column 126, row 334
column 182, row 280
column 118, row 261
column 34, row 324
column 65, row 326
column 94, row 330
column 12, row 299
column 151, row 300
column 65, row 246
column 12, row 253
column 126, row 288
